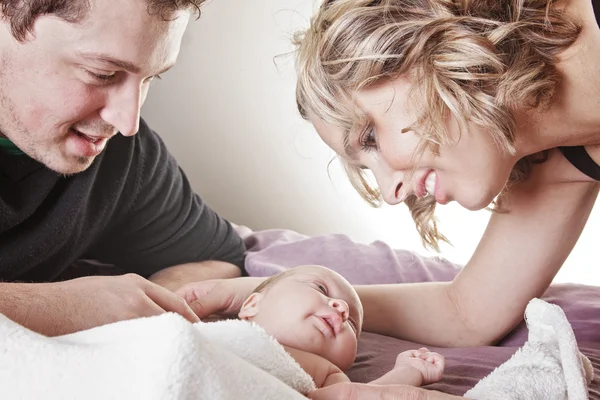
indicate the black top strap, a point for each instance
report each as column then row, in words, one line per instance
column 580, row 158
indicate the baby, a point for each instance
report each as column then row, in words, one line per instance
column 317, row 316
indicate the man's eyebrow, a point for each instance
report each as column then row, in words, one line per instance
column 122, row 64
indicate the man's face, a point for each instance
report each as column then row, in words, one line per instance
column 70, row 87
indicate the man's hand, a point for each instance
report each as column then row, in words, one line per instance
column 218, row 296
column 428, row 363
column 69, row 306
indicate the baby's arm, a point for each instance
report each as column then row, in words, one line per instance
column 323, row 372
column 400, row 375
column 415, row 368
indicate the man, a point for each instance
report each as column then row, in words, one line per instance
column 82, row 177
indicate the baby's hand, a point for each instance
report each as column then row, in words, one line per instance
column 428, row 363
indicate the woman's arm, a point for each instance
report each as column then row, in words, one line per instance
column 520, row 253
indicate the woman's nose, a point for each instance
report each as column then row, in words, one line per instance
column 390, row 181
column 391, row 186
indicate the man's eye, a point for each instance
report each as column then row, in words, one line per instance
column 153, row 77
column 101, row 77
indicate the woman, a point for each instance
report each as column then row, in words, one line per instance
column 474, row 101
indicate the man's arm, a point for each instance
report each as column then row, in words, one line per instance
column 33, row 305
column 65, row 307
column 175, row 277
column 520, row 253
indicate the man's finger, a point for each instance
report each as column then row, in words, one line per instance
column 207, row 305
column 196, row 290
column 152, row 309
column 169, row 301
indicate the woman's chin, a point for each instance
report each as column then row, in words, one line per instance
column 475, row 203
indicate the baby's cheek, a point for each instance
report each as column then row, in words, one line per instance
column 347, row 350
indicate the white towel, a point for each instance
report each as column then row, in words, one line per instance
column 548, row 367
column 162, row 358
column 251, row 343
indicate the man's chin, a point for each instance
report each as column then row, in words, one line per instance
column 70, row 167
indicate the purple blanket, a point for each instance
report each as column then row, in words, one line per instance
column 273, row 251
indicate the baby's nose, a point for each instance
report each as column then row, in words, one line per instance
column 341, row 307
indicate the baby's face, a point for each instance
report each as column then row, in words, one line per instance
column 314, row 309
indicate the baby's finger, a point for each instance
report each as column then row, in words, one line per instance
column 409, row 354
column 440, row 362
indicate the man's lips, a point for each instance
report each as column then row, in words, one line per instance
column 91, row 138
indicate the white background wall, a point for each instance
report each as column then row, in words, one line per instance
column 227, row 112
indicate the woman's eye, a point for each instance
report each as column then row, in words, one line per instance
column 368, row 141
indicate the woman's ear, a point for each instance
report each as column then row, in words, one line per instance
column 251, row 306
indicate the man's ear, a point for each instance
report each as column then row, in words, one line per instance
column 251, row 306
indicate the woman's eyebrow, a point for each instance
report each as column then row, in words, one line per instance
column 349, row 150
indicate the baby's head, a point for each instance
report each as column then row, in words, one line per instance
column 309, row 308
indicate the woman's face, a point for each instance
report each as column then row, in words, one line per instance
column 472, row 171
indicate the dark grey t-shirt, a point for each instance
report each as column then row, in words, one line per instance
column 133, row 208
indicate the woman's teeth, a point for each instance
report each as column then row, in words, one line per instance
column 430, row 183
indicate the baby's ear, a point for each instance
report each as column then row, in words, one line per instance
column 250, row 306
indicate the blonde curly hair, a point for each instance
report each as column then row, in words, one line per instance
column 476, row 60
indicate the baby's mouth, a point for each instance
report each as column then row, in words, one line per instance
column 326, row 327
column 332, row 322
column 329, row 322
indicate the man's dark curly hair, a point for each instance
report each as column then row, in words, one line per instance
column 22, row 13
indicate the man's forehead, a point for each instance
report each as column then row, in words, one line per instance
column 127, row 30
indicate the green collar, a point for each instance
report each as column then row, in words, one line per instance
column 8, row 147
